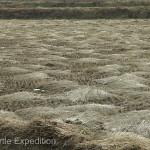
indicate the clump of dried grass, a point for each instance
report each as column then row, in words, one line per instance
column 18, row 100
column 8, row 114
column 90, row 115
column 64, row 136
column 88, row 94
column 56, row 87
column 120, row 141
column 14, row 70
column 33, row 76
column 134, row 121
column 124, row 81
column 22, row 96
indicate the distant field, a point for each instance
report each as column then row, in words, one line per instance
column 72, row 3
column 63, row 9
column 76, row 13
column 83, row 83
column 71, row 9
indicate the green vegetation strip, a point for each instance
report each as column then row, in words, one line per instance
column 84, row 4
column 76, row 13
column 91, row 3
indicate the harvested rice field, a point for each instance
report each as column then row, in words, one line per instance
column 78, row 84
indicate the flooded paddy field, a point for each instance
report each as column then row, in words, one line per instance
column 83, row 83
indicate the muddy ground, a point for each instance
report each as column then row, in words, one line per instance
column 91, row 75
